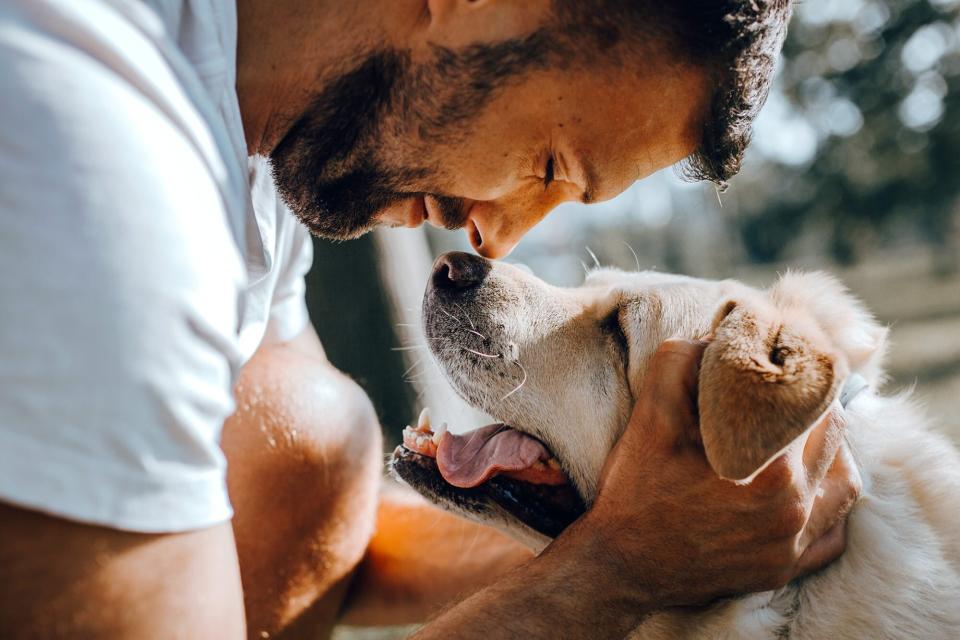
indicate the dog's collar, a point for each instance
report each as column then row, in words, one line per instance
column 854, row 385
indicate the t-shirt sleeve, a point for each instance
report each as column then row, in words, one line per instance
column 119, row 284
column 288, row 308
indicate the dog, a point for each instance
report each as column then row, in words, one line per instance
column 563, row 366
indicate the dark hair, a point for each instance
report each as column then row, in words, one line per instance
column 737, row 41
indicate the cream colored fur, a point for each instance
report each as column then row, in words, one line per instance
column 900, row 575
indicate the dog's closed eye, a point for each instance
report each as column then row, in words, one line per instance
column 612, row 327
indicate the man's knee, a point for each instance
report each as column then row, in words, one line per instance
column 299, row 417
column 305, row 459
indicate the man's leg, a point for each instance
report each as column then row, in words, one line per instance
column 305, row 461
column 59, row 579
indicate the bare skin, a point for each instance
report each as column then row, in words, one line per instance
column 422, row 559
column 67, row 580
column 304, row 456
column 656, row 108
column 305, row 504
column 304, row 468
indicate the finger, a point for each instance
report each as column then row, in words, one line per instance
column 780, row 476
column 823, row 551
column 837, row 493
column 674, row 370
column 822, row 445
column 802, row 466
column 670, row 391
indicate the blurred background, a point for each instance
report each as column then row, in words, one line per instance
column 854, row 168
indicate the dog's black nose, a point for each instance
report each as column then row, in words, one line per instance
column 459, row 270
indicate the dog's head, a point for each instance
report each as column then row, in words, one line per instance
column 561, row 367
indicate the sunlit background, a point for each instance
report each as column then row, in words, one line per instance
column 854, row 168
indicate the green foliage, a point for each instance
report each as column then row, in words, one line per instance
column 878, row 83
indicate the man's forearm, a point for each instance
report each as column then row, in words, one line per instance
column 421, row 558
column 562, row 593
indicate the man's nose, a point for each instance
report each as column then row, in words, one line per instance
column 457, row 270
column 494, row 232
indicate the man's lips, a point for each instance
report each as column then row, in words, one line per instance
column 412, row 211
column 434, row 214
column 407, row 212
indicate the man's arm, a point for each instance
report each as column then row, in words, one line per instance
column 565, row 592
column 666, row 531
column 64, row 579
column 421, row 559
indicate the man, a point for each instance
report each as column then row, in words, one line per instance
column 147, row 265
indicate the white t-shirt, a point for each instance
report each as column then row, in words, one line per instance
column 143, row 258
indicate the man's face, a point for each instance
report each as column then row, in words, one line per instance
column 401, row 140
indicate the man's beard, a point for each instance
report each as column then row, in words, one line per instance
column 325, row 167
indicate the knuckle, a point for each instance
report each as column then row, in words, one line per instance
column 789, row 519
column 854, row 482
column 779, row 476
column 675, row 352
column 676, row 345
column 836, row 420
column 854, row 487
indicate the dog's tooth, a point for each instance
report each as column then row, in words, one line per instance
column 421, row 441
column 442, row 429
column 553, row 463
column 423, row 422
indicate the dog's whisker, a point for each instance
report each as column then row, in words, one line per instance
column 481, row 354
column 635, row 256
column 449, row 315
column 476, row 333
column 465, row 315
column 519, row 386
column 594, row 256
column 412, row 367
column 413, row 347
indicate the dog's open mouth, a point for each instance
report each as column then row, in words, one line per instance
column 496, row 462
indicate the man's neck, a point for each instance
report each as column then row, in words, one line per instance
column 288, row 50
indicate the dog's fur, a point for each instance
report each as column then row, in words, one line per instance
column 775, row 364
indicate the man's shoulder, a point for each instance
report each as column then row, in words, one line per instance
column 92, row 154
column 94, row 114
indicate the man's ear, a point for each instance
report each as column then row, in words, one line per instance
column 766, row 377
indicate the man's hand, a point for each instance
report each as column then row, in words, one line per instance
column 665, row 530
column 666, row 523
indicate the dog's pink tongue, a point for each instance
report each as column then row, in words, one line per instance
column 470, row 459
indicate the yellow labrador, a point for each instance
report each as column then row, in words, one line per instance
column 561, row 367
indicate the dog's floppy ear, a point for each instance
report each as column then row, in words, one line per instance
column 766, row 377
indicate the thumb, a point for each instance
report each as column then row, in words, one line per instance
column 668, row 399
